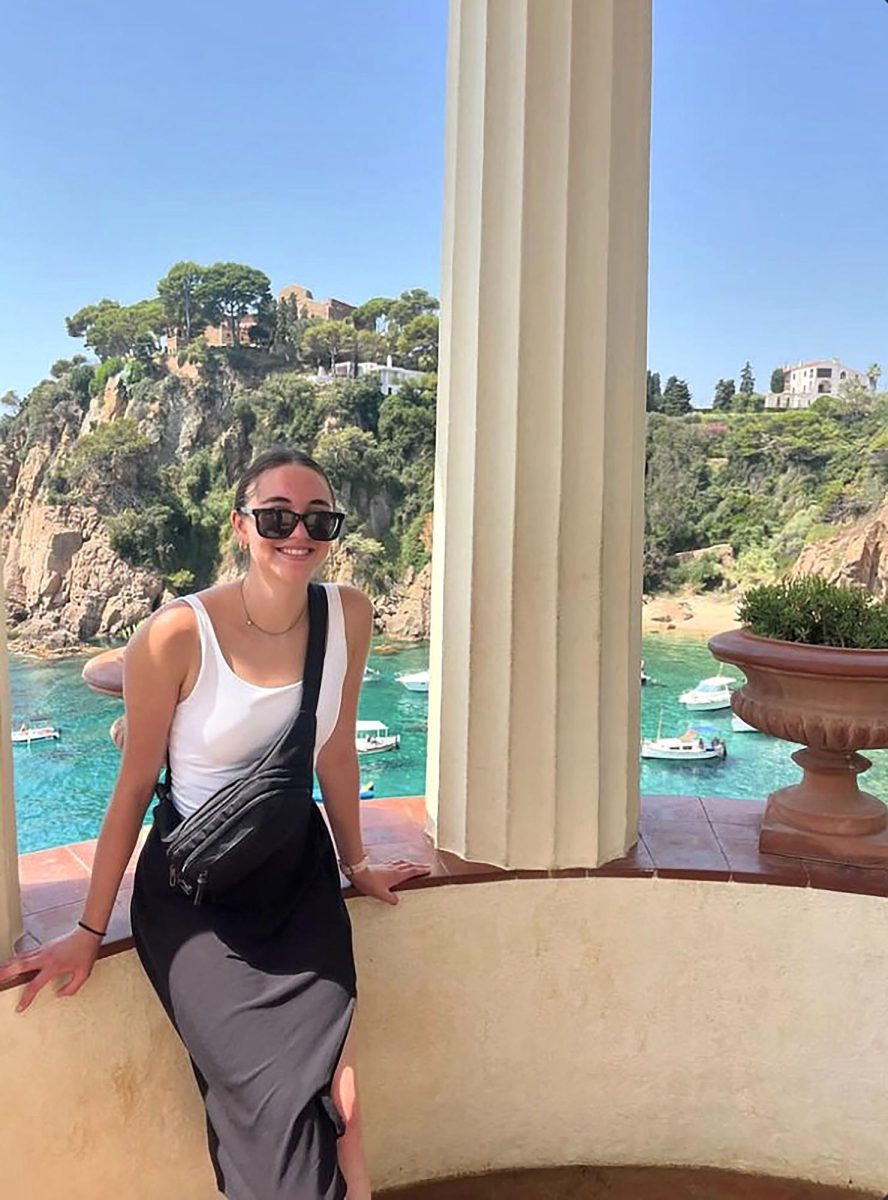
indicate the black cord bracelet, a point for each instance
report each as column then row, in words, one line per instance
column 89, row 929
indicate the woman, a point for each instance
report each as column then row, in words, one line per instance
column 259, row 982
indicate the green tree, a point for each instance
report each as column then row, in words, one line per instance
column 64, row 366
column 416, row 302
column 677, row 482
column 654, row 391
column 418, row 343
column 354, row 402
column 747, row 380
column 372, row 347
column 372, row 313
column 178, row 292
column 778, row 379
column 874, row 374
column 324, row 342
column 110, row 328
column 112, row 466
column 747, row 402
column 229, row 291
column 676, row 399
column 724, row 394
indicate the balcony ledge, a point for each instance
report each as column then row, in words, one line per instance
column 680, row 837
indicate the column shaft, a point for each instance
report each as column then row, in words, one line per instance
column 533, row 715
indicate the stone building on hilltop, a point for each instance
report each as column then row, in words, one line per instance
column 307, row 306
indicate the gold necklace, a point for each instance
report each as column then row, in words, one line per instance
column 269, row 632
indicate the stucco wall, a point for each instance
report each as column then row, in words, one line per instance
column 514, row 1023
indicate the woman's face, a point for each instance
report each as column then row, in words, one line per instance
column 297, row 557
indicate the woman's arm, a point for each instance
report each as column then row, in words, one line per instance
column 154, row 668
column 337, row 764
column 156, row 662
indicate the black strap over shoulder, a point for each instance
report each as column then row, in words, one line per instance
column 318, row 611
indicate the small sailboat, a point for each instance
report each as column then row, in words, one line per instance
column 692, row 746
column 709, row 694
column 415, row 681
column 26, row 734
column 373, row 737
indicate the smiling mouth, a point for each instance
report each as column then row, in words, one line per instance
column 292, row 552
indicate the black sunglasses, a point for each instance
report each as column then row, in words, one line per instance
column 321, row 525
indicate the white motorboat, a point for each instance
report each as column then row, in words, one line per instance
column 709, row 694
column 371, row 675
column 372, row 737
column 416, row 681
column 27, row 734
column 740, row 726
column 693, row 746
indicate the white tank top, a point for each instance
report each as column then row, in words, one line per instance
column 225, row 725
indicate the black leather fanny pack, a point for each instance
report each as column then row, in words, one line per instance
column 234, row 832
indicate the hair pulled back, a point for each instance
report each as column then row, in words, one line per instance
column 276, row 456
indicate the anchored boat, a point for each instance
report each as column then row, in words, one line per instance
column 414, row 681
column 700, row 744
column 709, row 694
column 373, row 737
column 26, row 734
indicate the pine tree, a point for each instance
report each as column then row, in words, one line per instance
column 653, row 391
column 724, row 394
column 747, row 380
column 676, row 399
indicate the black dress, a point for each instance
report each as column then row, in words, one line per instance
column 260, row 986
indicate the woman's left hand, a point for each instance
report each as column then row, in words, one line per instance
column 379, row 879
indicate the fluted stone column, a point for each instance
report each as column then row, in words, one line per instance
column 10, row 898
column 534, row 704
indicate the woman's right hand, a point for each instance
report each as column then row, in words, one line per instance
column 72, row 955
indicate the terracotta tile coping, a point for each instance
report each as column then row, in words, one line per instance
column 681, row 837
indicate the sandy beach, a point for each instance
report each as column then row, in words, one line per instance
column 701, row 615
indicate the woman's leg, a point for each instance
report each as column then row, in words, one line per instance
column 351, row 1146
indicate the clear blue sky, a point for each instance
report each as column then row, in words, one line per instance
column 307, row 140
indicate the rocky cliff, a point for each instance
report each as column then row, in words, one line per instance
column 857, row 555
column 66, row 584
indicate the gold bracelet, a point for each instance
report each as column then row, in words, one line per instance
column 352, row 869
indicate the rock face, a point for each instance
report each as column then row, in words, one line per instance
column 858, row 555
column 64, row 583
column 405, row 612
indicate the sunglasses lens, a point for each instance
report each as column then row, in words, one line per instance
column 322, row 526
column 275, row 522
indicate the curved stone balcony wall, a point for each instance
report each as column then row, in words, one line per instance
column 520, row 1023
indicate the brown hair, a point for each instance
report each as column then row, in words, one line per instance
column 276, row 456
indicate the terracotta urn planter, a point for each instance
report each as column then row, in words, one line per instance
column 835, row 703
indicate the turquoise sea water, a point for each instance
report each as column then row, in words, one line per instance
column 62, row 787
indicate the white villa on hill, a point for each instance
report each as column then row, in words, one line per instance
column 805, row 381
column 391, row 379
